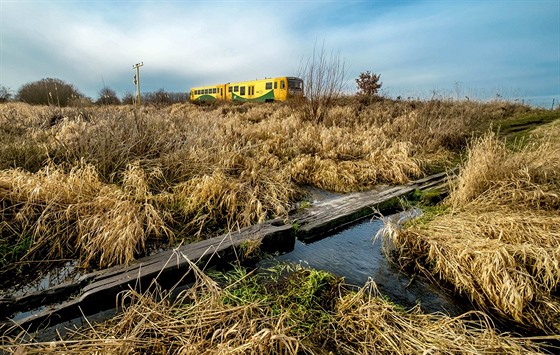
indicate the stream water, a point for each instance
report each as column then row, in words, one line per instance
column 354, row 254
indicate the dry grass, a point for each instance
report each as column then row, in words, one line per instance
column 76, row 212
column 499, row 242
column 305, row 312
column 187, row 171
column 493, row 174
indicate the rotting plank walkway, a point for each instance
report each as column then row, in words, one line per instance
column 96, row 291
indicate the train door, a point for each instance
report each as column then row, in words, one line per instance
column 227, row 92
column 280, row 89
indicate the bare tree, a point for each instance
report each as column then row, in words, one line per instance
column 108, row 96
column 49, row 91
column 128, row 98
column 323, row 75
column 5, row 94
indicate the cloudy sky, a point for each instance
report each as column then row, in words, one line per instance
column 471, row 48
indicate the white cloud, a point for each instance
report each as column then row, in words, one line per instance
column 416, row 45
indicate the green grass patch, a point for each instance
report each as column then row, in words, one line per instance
column 308, row 296
column 519, row 128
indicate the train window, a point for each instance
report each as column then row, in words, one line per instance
column 275, row 85
column 268, row 86
column 236, row 88
column 206, row 91
column 295, row 84
column 229, row 89
column 242, row 90
column 282, row 84
column 213, row 90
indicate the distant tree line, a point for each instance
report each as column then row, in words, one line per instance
column 52, row 91
column 107, row 96
column 323, row 77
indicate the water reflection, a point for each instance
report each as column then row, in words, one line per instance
column 354, row 255
column 66, row 272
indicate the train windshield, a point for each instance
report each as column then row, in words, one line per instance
column 295, row 84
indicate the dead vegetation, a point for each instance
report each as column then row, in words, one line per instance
column 300, row 312
column 102, row 183
column 498, row 241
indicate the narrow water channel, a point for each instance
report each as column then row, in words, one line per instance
column 353, row 254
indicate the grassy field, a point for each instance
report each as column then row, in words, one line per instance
column 106, row 185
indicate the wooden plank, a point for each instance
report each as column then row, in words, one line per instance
column 326, row 217
column 166, row 268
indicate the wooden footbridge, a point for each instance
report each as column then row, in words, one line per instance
column 97, row 291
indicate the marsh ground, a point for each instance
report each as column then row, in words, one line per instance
column 105, row 185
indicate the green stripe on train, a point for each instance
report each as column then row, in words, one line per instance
column 266, row 97
column 205, row 98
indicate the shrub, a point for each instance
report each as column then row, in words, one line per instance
column 107, row 96
column 48, row 91
column 5, row 94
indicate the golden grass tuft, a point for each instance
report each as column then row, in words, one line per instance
column 367, row 324
column 499, row 243
column 530, row 177
column 75, row 213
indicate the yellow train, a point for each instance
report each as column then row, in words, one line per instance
column 262, row 90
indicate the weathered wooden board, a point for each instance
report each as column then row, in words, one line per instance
column 167, row 267
column 327, row 216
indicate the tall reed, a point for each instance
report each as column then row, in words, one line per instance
column 499, row 242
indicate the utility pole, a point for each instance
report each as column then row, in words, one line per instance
column 137, row 78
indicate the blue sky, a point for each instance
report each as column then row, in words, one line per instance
column 472, row 48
